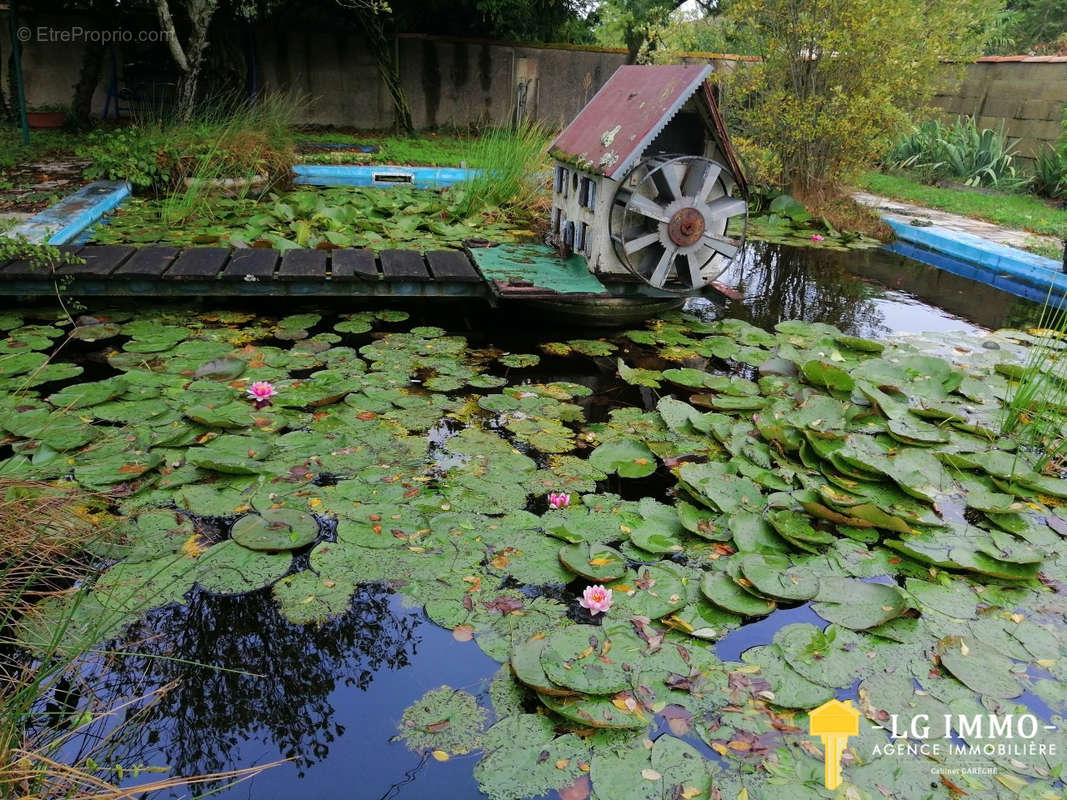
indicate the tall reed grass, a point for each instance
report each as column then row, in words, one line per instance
column 48, row 533
column 511, row 161
column 1035, row 413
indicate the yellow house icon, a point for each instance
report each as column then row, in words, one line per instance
column 833, row 722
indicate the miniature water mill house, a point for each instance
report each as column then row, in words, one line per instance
column 646, row 182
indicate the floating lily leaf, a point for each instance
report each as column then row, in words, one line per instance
column 525, row 758
column 239, row 455
column 650, row 591
column 857, row 604
column 275, row 529
column 576, row 657
column 834, row 658
column 979, row 667
column 444, row 720
column 628, row 457
column 612, row 713
column 776, row 577
column 789, row 688
column 725, row 593
column 228, row 568
column 822, row 373
column 594, row 562
column 519, row 360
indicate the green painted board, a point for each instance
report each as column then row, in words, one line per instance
column 535, row 266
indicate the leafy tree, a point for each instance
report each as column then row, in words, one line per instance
column 1037, row 24
column 840, row 79
column 645, row 27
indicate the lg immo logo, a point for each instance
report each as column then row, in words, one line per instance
column 980, row 735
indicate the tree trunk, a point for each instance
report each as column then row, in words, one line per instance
column 191, row 57
column 81, row 104
column 6, row 105
column 380, row 44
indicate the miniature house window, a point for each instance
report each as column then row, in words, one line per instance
column 555, row 220
column 568, row 234
column 574, row 181
column 583, row 239
column 587, row 193
column 579, row 237
column 561, row 181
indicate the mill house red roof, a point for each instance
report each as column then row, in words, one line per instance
column 609, row 135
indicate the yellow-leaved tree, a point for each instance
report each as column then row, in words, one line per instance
column 839, row 80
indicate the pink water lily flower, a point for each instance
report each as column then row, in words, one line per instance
column 816, row 237
column 558, row 499
column 597, row 599
column 261, row 392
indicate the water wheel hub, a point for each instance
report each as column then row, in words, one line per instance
column 686, row 227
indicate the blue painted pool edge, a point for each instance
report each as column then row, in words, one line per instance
column 1010, row 269
column 385, row 175
column 61, row 223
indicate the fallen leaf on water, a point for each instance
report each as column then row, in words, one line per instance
column 562, row 763
column 440, row 755
column 651, row 775
column 463, row 633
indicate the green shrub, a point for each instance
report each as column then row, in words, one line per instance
column 227, row 139
column 958, row 151
column 1050, row 173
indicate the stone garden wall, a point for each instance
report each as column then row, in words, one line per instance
column 1025, row 94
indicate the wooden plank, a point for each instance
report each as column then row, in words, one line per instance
column 403, row 265
column 100, row 261
column 303, row 264
column 24, row 269
column 198, row 262
column 259, row 262
column 353, row 264
column 148, row 262
column 452, row 265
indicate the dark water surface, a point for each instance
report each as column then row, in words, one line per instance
column 250, row 687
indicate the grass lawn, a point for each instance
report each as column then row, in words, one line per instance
column 1021, row 211
column 427, row 149
column 42, row 144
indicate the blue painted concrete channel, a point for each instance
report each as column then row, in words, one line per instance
column 1007, row 268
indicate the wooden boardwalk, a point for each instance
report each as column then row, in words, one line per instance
column 120, row 270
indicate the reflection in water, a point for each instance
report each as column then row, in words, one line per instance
column 264, row 680
column 866, row 293
column 780, row 283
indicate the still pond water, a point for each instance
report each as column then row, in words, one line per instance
column 330, row 696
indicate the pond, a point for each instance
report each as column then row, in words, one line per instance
column 800, row 502
column 399, row 217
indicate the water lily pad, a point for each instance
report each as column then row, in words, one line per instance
column 577, row 657
column 229, row 568
column 789, row 688
column 275, row 529
column 776, row 577
column 629, row 458
column 858, row 604
column 978, row 666
column 823, row 373
column 444, row 720
column 835, row 658
column 612, row 713
column 724, row 592
column 525, row 758
column 593, row 561
column 238, row 455
column 651, row 591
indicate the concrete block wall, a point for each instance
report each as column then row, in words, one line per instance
column 1024, row 94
